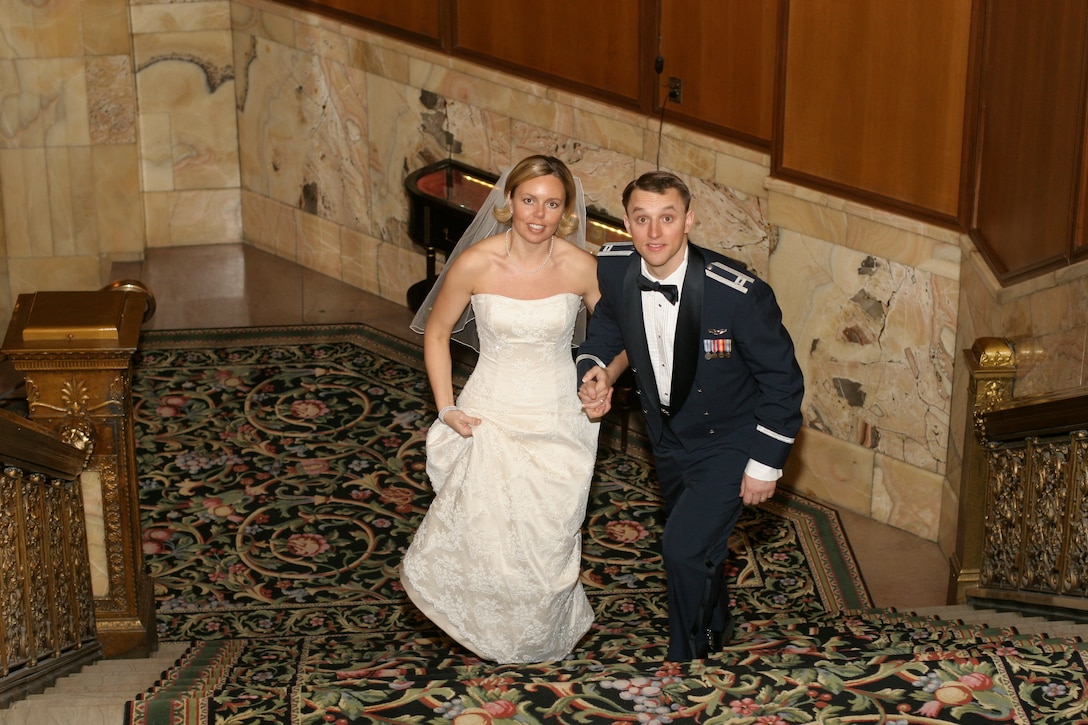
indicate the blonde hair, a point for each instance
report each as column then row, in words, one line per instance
column 532, row 167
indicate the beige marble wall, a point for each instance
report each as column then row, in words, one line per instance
column 117, row 132
column 185, row 80
column 68, row 182
column 871, row 301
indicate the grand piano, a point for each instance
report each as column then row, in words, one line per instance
column 443, row 199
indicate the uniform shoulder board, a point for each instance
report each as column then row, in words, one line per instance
column 616, row 249
column 729, row 276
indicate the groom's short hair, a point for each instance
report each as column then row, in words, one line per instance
column 658, row 182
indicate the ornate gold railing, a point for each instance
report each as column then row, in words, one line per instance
column 1028, row 475
column 47, row 623
column 75, row 351
column 1036, row 533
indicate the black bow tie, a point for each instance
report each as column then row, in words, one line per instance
column 648, row 285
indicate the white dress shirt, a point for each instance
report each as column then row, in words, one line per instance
column 659, row 317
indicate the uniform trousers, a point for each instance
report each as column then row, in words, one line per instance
column 701, row 489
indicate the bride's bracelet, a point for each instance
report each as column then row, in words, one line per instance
column 442, row 413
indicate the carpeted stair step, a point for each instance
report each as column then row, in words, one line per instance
column 797, row 686
column 96, row 695
column 391, row 672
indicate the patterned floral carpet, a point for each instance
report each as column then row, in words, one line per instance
column 282, row 475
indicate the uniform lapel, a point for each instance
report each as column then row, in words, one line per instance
column 638, row 351
column 685, row 356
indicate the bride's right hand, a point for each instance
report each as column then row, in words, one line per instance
column 462, row 423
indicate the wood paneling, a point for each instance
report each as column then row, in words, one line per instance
column 597, row 46
column 417, row 20
column 724, row 54
column 872, row 100
column 1080, row 237
column 1030, row 133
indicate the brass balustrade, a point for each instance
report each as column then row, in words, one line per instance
column 1035, row 548
column 1026, row 470
column 75, row 351
column 47, row 623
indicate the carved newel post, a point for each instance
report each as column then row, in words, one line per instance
column 75, row 351
column 992, row 362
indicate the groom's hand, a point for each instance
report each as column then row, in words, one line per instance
column 595, row 392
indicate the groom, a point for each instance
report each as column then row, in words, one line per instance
column 717, row 381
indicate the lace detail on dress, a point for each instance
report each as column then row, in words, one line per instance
column 496, row 560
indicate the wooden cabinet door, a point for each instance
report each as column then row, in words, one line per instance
column 1029, row 136
column 724, row 54
column 599, row 47
column 872, row 99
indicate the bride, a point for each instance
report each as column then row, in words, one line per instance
column 496, row 560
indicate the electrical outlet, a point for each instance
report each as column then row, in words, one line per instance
column 676, row 89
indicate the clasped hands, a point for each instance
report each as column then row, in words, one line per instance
column 595, row 392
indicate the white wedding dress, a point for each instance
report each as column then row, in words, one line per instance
column 496, row 561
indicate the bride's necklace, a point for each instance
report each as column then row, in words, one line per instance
column 518, row 267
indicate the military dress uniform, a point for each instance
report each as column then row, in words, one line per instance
column 734, row 395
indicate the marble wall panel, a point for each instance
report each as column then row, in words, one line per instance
column 57, row 29
column 1060, row 307
column 622, row 135
column 400, row 142
column 318, row 244
column 871, row 339
column 156, row 151
column 604, row 173
column 72, row 209
column 830, row 469
column 732, row 223
column 904, row 246
column 677, row 155
column 175, row 17
column 1051, row 362
column 95, row 517
column 374, row 58
column 358, row 252
column 186, row 218
column 189, row 75
column 816, row 220
column 106, row 29
column 3, row 230
column 1045, row 319
column 270, row 225
column 25, row 189
column 42, row 274
column 111, row 99
column 117, row 199
column 398, row 269
column 303, row 124
column 17, row 38
column 7, row 299
column 322, row 38
column 743, row 175
column 43, row 102
column 476, row 136
column 907, row 497
column 338, row 173
column 258, row 23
